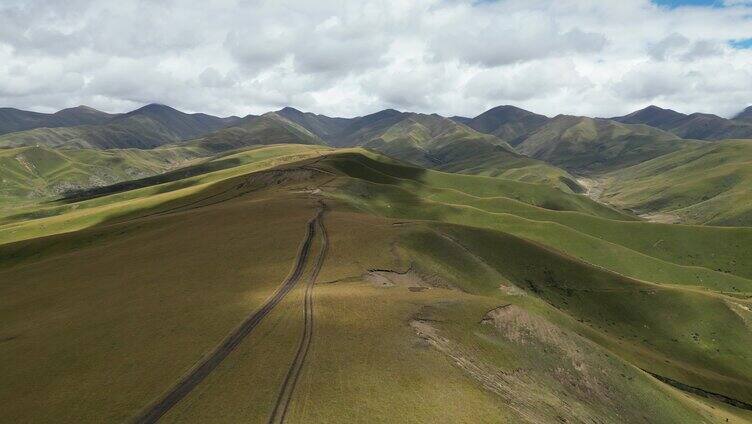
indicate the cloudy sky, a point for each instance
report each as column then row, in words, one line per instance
column 348, row 58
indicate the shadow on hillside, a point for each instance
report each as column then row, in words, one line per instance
column 386, row 187
column 171, row 176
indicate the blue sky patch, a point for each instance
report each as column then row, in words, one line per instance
column 745, row 43
column 680, row 3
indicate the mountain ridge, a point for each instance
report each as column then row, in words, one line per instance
column 147, row 127
column 702, row 126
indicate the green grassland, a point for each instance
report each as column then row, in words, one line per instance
column 443, row 298
column 701, row 185
column 54, row 217
column 43, row 173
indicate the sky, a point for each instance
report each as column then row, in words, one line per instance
column 350, row 58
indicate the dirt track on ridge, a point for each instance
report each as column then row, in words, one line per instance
column 287, row 390
column 199, row 372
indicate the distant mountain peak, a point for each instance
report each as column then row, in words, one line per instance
column 153, row 108
column 507, row 108
column 745, row 115
column 652, row 115
column 156, row 106
column 79, row 109
column 654, row 108
column 507, row 122
column 288, row 110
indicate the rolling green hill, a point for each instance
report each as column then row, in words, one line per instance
column 39, row 173
column 419, row 139
column 422, row 294
column 148, row 127
column 270, row 128
column 594, row 145
column 707, row 184
column 440, row 143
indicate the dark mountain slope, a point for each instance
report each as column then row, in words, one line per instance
column 745, row 115
column 321, row 125
column 509, row 123
column 363, row 128
column 653, row 116
column 181, row 125
column 150, row 126
column 461, row 119
column 12, row 120
column 702, row 126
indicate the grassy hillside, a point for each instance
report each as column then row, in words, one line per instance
column 84, row 207
column 704, row 184
column 440, row 143
column 419, row 138
column 451, row 298
column 593, row 145
column 144, row 128
column 270, row 128
column 39, row 173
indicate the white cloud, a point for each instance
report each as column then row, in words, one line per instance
column 350, row 58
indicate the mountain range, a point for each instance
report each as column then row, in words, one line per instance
column 147, row 127
column 504, row 142
column 702, row 126
column 154, row 125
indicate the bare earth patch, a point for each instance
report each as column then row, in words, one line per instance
column 594, row 187
column 570, row 380
column 662, row 217
column 390, row 278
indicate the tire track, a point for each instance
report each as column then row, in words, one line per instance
column 199, row 372
column 288, row 386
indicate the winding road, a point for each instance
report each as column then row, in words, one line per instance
column 187, row 383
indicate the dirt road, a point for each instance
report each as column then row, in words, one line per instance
column 194, row 377
column 288, row 386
